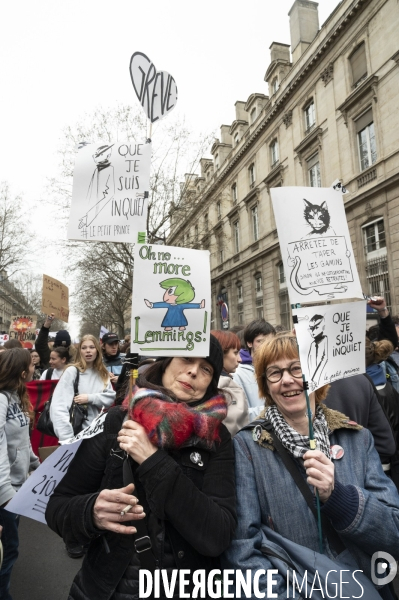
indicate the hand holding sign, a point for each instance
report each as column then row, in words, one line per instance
column 156, row 90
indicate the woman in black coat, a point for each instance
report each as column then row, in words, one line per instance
column 171, row 441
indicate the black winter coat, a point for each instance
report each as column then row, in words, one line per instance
column 190, row 510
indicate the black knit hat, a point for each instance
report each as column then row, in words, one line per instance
column 62, row 338
column 215, row 357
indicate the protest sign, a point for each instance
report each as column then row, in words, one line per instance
column 315, row 244
column 103, row 331
column 111, row 182
column 31, row 500
column 331, row 340
column 168, row 281
column 23, row 328
column 55, row 298
column 156, row 90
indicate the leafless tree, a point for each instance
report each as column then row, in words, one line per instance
column 13, row 239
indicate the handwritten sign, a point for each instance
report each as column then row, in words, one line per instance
column 31, row 500
column 156, row 90
column 315, row 244
column 331, row 341
column 171, row 312
column 23, row 328
column 55, row 298
column 111, row 183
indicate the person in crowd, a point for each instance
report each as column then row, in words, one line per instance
column 62, row 338
column 112, row 355
column 385, row 330
column 356, row 397
column 16, row 456
column 395, row 353
column 183, row 479
column 357, row 498
column 125, row 347
column 59, row 359
column 36, row 363
column 12, row 344
column 95, row 390
column 237, row 403
column 388, row 398
column 254, row 335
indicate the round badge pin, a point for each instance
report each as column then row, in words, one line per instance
column 337, row 452
column 195, row 457
column 257, row 432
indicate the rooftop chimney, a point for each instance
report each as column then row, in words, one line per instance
column 304, row 26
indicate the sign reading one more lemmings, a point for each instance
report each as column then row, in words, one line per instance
column 315, row 244
column 23, row 328
column 171, row 301
column 111, row 182
column 55, row 298
column 331, row 340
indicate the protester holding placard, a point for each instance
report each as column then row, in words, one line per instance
column 62, row 338
column 95, row 390
column 276, row 512
column 16, row 455
column 169, row 439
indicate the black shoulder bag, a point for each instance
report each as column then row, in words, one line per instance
column 77, row 413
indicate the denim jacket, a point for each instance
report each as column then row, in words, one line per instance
column 267, row 497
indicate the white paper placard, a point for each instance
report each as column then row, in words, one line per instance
column 315, row 244
column 171, row 301
column 331, row 341
column 110, row 192
column 31, row 500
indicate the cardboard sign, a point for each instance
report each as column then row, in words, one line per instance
column 111, row 183
column 171, row 311
column 156, row 90
column 31, row 500
column 315, row 244
column 55, row 298
column 23, row 328
column 331, row 340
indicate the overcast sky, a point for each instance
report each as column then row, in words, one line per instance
column 59, row 60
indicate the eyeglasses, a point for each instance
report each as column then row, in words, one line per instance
column 274, row 374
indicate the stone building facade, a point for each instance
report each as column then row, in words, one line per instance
column 331, row 113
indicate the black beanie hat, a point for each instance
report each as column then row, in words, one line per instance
column 62, row 338
column 215, row 357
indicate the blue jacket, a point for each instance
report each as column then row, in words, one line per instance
column 267, row 497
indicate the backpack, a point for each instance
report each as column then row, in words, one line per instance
column 391, row 372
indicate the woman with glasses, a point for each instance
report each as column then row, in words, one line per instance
column 357, row 499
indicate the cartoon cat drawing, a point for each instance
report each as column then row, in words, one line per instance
column 318, row 219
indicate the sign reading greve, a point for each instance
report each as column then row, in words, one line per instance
column 23, row 328
column 111, row 182
column 55, row 298
column 171, row 301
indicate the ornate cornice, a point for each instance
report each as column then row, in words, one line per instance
column 327, row 74
column 287, row 118
column 253, row 194
column 275, row 174
column 315, row 135
column 369, row 84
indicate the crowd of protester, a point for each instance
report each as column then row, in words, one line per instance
column 205, row 462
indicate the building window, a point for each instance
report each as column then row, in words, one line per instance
column 313, row 166
column 236, row 230
column 358, row 64
column 240, row 297
column 253, row 114
column 285, row 313
column 218, row 210
column 236, row 139
column 234, row 193
column 196, row 233
column 206, row 222
column 366, row 140
column 255, row 223
column 240, row 304
column 310, row 118
column 220, row 249
column 274, row 152
column 258, row 285
column 274, row 85
column 374, row 237
column 258, row 296
column 252, row 175
column 281, row 274
column 217, row 161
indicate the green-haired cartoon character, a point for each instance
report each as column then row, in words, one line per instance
column 176, row 299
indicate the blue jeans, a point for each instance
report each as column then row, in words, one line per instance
column 9, row 537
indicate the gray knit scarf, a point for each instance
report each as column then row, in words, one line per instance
column 293, row 441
